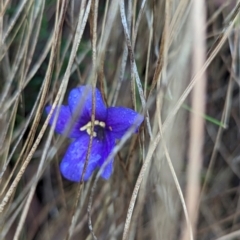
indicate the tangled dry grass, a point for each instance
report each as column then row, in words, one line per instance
column 177, row 62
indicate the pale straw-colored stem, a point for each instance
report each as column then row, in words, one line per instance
column 195, row 155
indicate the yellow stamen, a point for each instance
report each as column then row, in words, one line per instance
column 94, row 134
column 89, row 131
column 102, row 124
column 88, row 127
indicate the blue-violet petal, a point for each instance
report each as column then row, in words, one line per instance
column 63, row 121
column 108, row 145
column 72, row 164
column 80, row 99
column 120, row 119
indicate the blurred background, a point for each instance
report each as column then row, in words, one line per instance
column 176, row 62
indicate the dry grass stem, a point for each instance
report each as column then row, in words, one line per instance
column 177, row 64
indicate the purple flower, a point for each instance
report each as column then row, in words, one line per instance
column 110, row 124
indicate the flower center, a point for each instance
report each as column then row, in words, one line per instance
column 98, row 131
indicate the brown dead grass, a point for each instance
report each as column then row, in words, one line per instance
column 178, row 177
